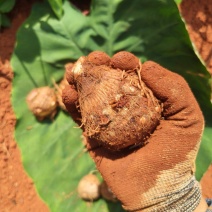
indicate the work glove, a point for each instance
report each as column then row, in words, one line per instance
column 160, row 175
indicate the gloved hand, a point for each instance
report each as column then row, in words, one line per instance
column 160, row 175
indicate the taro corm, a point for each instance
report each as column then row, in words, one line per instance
column 116, row 108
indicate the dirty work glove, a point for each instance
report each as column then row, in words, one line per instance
column 160, row 175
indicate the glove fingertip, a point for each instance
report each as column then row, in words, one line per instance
column 163, row 83
column 70, row 98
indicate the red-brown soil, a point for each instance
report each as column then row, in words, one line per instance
column 198, row 17
column 17, row 191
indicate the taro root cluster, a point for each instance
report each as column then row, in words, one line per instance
column 44, row 101
column 117, row 109
column 90, row 189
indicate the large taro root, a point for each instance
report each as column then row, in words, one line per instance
column 116, row 107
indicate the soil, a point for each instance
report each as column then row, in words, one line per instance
column 17, row 191
column 198, row 17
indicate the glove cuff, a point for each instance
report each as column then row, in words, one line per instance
column 186, row 198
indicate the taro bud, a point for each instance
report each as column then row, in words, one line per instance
column 88, row 187
column 42, row 102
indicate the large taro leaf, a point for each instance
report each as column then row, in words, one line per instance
column 57, row 7
column 6, row 5
column 178, row 1
column 51, row 151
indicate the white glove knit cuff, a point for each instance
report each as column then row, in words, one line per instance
column 184, row 200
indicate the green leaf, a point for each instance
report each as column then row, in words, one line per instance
column 6, row 5
column 178, row 1
column 151, row 29
column 57, row 7
column 204, row 157
column 4, row 20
